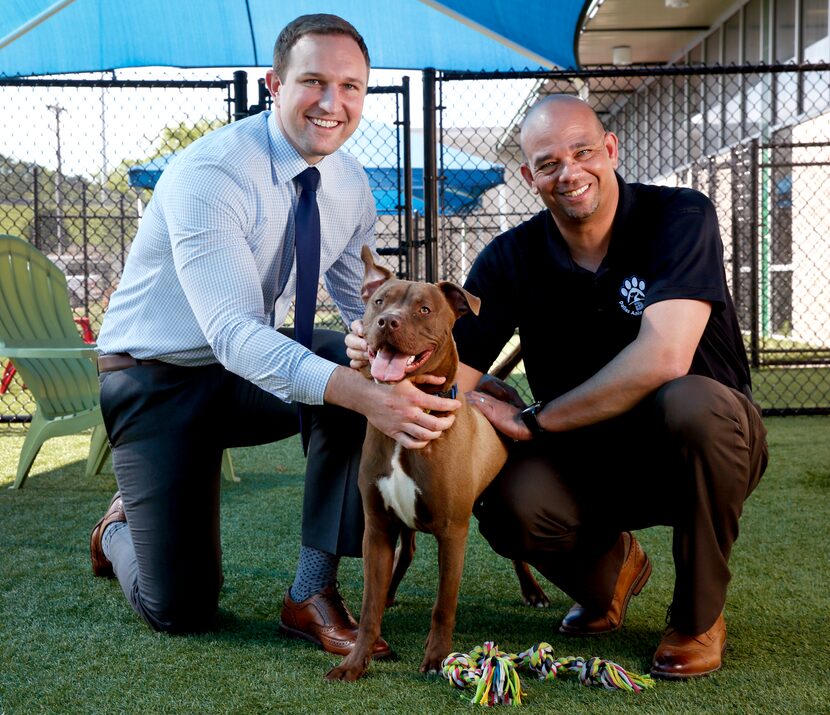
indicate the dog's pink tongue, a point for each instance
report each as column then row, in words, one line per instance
column 389, row 365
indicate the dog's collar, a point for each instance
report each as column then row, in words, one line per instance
column 452, row 393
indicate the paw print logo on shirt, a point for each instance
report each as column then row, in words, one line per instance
column 633, row 290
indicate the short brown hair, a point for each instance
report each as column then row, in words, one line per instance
column 317, row 24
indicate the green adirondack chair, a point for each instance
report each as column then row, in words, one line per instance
column 38, row 333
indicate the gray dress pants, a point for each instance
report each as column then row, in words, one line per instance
column 688, row 456
column 168, row 427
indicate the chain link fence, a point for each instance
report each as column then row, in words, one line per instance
column 755, row 139
column 78, row 157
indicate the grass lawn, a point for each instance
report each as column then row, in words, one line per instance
column 70, row 644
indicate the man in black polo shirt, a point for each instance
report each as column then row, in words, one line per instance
column 644, row 414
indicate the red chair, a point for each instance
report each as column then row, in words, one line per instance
column 8, row 374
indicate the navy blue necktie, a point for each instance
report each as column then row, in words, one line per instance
column 307, row 252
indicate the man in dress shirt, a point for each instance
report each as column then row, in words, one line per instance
column 191, row 362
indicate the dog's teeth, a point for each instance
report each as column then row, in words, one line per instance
column 410, row 360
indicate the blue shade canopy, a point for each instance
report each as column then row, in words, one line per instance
column 465, row 177
column 97, row 35
column 146, row 174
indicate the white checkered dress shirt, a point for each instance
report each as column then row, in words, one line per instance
column 214, row 254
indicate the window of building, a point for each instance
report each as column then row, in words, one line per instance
column 786, row 85
column 712, row 100
column 713, row 48
column 815, row 48
column 752, row 32
column 732, row 40
column 696, row 55
column 784, row 30
column 814, row 30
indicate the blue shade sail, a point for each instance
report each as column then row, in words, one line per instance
column 98, row 35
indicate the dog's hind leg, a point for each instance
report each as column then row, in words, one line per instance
column 532, row 592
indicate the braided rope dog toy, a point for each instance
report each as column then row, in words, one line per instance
column 494, row 674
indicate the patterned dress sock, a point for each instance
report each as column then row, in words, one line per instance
column 316, row 570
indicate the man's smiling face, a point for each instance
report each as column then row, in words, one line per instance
column 570, row 160
column 319, row 101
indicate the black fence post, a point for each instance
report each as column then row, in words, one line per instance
column 430, row 178
column 416, row 263
column 409, row 239
column 85, row 235
column 122, row 233
column 754, row 248
column 35, row 208
column 240, row 95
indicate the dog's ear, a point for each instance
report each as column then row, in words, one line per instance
column 374, row 276
column 460, row 300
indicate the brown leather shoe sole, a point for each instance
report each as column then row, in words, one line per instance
column 325, row 620
column 680, row 657
column 101, row 566
column 380, row 650
column 634, row 589
column 668, row 675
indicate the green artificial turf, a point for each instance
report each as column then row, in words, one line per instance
column 70, row 644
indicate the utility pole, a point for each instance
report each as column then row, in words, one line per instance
column 104, row 168
column 57, row 109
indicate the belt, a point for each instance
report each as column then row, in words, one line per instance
column 121, row 361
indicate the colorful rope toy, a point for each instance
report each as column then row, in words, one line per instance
column 495, row 676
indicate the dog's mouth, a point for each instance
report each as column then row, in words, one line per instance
column 390, row 365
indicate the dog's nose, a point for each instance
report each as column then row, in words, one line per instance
column 389, row 321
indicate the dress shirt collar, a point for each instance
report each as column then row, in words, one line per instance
column 286, row 161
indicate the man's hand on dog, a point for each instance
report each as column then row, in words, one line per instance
column 356, row 348
column 503, row 414
column 501, row 390
column 406, row 414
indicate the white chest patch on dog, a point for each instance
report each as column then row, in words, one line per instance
column 399, row 491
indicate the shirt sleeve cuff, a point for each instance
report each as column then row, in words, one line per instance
column 313, row 374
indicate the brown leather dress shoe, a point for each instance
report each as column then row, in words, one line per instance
column 100, row 564
column 325, row 620
column 633, row 576
column 680, row 656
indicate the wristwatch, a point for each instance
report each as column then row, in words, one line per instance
column 530, row 416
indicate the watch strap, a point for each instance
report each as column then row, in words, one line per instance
column 530, row 416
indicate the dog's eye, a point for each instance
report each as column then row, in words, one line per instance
column 378, row 301
column 425, row 309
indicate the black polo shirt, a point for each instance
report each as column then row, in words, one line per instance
column 665, row 244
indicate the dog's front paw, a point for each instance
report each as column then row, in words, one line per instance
column 347, row 671
column 432, row 665
column 434, row 657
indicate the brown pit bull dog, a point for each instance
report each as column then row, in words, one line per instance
column 408, row 328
